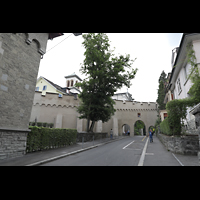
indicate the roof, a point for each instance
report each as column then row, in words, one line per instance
column 53, row 35
column 73, row 75
column 55, row 85
column 186, row 36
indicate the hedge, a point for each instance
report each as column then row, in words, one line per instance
column 41, row 138
column 164, row 127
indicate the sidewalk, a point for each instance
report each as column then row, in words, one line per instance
column 40, row 156
column 158, row 155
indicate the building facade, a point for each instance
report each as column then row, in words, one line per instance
column 179, row 82
column 63, row 113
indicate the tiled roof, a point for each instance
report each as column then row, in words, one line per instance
column 56, row 86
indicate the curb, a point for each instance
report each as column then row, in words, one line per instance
column 71, row 153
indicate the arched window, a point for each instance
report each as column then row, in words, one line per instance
column 68, row 83
column 72, row 82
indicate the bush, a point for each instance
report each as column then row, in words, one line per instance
column 41, row 138
column 164, row 127
column 177, row 111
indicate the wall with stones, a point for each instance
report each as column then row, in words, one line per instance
column 19, row 65
column 188, row 144
column 20, row 55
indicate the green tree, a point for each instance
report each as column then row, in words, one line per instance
column 161, row 91
column 138, row 126
column 105, row 74
column 194, row 74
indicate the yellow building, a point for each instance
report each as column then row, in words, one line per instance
column 44, row 85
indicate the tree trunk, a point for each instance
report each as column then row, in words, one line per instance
column 88, row 124
column 92, row 126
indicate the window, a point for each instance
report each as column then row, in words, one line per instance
column 139, row 114
column 37, row 89
column 72, row 82
column 44, row 87
column 60, row 95
column 165, row 115
column 179, row 86
column 68, row 83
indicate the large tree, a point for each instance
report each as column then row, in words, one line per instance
column 161, row 91
column 105, row 74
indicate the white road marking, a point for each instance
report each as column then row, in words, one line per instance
column 149, row 154
column 178, row 160
column 128, row 144
column 141, row 162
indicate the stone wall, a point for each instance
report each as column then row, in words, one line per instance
column 12, row 143
column 89, row 136
column 188, row 144
column 20, row 55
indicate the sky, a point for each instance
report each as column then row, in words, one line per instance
column 152, row 50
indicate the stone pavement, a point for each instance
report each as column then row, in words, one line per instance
column 158, row 155
column 40, row 156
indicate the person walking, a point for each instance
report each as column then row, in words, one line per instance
column 111, row 133
column 151, row 135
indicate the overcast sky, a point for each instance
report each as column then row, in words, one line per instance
column 152, row 50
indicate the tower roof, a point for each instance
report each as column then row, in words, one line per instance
column 74, row 75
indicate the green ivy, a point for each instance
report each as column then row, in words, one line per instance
column 177, row 111
column 41, row 138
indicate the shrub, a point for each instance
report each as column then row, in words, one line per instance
column 164, row 127
column 47, row 138
column 177, row 111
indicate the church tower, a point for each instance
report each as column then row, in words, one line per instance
column 71, row 80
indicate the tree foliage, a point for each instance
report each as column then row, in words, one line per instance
column 194, row 74
column 161, row 91
column 105, row 74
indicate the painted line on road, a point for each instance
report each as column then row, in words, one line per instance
column 178, row 160
column 128, row 144
column 141, row 162
column 144, row 138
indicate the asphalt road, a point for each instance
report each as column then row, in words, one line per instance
column 125, row 152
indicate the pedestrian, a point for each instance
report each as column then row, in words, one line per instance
column 151, row 135
column 111, row 133
column 128, row 133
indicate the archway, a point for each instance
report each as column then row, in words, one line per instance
column 139, row 128
column 125, row 129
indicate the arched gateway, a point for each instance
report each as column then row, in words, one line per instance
column 129, row 112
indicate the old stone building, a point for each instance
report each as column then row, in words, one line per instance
column 20, row 55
